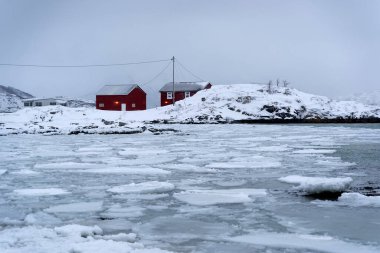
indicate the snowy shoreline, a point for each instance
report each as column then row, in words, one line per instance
column 222, row 104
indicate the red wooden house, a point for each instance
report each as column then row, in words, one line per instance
column 123, row 97
column 182, row 90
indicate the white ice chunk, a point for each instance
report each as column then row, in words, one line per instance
column 356, row 200
column 25, row 172
column 189, row 168
column 145, row 187
column 41, row 192
column 313, row 185
column 41, row 218
column 69, row 238
column 213, row 197
column 117, row 211
column 245, row 165
column 78, row 230
column 76, row 207
column 94, row 149
column 280, row 148
column 304, row 242
column 152, row 196
column 2, row 171
column 131, row 237
column 139, row 151
column 126, row 170
column 314, row 151
column 230, row 183
column 65, row 165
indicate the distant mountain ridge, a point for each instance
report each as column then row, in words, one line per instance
column 13, row 91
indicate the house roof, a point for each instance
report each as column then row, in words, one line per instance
column 56, row 99
column 117, row 89
column 184, row 86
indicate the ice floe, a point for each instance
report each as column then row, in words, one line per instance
column 130, row 237
column 213, row 197
column 188, row 168
column 118, row 211
column 314, row 151
column 137, row 151
column 65, row 165
column 41, row 218
column 41, row 192
column 280, row 148
column 236, row 164
column 356, row 199
column 69, row 238
column 304, row 242
column 229, row 183
column 314, row 185
column 94, row 149
column 76, row 207
column 352, row 199
column 143, row 170
column 145, row 187
column 26, row 172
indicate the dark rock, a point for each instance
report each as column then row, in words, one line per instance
column 269, row 108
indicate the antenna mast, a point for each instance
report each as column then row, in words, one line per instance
column 173, row 94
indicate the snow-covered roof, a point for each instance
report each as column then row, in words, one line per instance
column 184, row 86
column 57, row 99
column 117, row 89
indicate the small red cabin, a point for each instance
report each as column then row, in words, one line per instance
column 182, row 90
column 122, row 97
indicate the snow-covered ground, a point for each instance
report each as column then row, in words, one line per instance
column 208, row 188
column 10, row 99
column 10, row 103
column 221, row 103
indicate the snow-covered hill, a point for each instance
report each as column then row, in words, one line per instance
column 254, row 102
column 10, row 98
column 13, row 91
column 221, row 103
column 9, row 103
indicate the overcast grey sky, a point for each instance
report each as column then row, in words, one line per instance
column 327, row 47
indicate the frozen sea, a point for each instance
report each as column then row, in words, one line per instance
column 206, row 188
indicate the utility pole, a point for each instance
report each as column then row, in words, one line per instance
column 173, row 94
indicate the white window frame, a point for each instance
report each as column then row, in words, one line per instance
column 169, row 95
column 38, row 103
column 187, row 94
column 133, row 105
column 101, row 105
